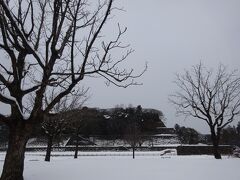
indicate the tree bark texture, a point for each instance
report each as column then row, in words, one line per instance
column 215, row 142
column 49, row 148
column 14, row 160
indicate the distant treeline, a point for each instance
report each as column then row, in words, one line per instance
column 93, row 121
column 116, row 121
column 229, row 136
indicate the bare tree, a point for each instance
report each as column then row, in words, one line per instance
column 54, row 124
column 133, row 135
column 52, row 44
column 79, row 120
column 211, row 96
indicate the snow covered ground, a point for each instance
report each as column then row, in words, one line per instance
column 146, row 166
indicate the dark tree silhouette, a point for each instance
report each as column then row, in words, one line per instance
column 133, row 135
column 79, row 120
column 213, row 98
column 51, row 44
column 238, row 128
column 187, row 135
column 52, row 127
column 230, row 136
column 62, row 114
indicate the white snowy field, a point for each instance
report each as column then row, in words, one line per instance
column 146, row 166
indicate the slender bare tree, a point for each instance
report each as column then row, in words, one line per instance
column 133, row 135
column 211, row 96
column 58, row 121
column 52, row 44
column 79, row 121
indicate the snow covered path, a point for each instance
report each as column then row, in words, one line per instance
column 125, row 168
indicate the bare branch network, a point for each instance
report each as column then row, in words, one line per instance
column 55, row 44
column 208, row 95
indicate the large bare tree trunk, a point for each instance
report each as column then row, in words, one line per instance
column 49, row 148
column 215, row 142
column 14, row 160
column 216, row 152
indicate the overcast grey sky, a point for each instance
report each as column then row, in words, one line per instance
column 171, row 35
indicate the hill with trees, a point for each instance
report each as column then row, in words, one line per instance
column 113, row 122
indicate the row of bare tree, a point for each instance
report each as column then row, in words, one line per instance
column 132, row 125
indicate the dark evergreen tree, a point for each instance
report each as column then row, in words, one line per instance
column 187, row 135
column 230, row 136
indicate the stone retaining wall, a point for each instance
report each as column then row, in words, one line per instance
column 201, row 150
